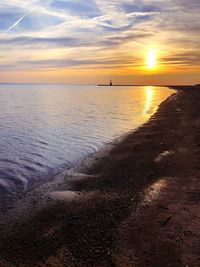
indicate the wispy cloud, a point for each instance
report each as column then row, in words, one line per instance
column 81, row 33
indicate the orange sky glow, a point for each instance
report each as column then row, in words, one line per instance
column 130, row 42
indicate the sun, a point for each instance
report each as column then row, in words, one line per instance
column 151, row 59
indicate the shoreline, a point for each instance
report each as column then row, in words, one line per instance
column 80, row 165
column 87, row 162
column 101, row 217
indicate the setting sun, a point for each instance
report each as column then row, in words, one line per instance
column 151, row 59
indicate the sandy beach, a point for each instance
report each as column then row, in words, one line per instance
column 137, row 205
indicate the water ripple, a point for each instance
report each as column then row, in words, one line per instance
column 43, row 128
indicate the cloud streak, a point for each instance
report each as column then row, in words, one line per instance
column 84, row 33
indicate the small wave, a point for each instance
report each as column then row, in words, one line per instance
column 36, row 154
column 29, row 168
column 9, row 161
column 39, row 164
column 32, row 165
column 41, row 147
column 7, row 173
column 42, row 142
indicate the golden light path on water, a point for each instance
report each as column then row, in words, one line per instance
column 148, row 104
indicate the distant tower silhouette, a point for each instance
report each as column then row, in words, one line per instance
column 111, row 83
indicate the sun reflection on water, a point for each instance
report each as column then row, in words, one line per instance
column 148, row 104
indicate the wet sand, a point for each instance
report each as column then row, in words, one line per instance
column 137, row 205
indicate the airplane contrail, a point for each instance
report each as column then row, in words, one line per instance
column 16, row 23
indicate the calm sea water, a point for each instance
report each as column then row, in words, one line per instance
column 45, row 128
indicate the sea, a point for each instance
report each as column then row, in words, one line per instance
column 46, row 129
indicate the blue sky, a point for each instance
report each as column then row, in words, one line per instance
column 52, row 40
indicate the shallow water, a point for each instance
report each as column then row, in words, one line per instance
column 45, row 128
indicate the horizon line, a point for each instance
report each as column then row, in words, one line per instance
column 95, row 84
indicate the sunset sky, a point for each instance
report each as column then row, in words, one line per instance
column 93, row 41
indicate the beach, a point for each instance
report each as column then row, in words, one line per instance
column 136, row 205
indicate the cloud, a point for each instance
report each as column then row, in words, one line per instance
column 84, row 33
column 72, row 63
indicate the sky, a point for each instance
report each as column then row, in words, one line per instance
column 93, row 41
